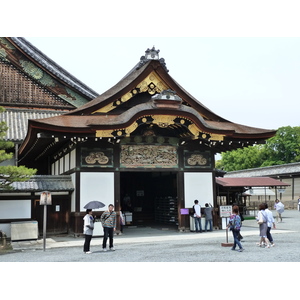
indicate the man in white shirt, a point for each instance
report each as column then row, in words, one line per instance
column 197, row 216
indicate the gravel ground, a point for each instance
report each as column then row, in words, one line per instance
column 152, row 245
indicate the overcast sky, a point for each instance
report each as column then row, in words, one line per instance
column 241, row 59
column 251, row 81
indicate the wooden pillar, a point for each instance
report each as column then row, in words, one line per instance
column 182, row 219
column 117, row 187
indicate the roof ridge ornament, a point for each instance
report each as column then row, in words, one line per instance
column 151, row 54
column 167, row 99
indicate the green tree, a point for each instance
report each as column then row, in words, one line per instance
column 283, row 148
column 240, row 159
column 10, row 174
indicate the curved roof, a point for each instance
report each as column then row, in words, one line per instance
column 131, row 103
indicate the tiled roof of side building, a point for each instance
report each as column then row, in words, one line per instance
column 17, row 121
column 49, row 183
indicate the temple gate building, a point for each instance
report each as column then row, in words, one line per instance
column 146, row 145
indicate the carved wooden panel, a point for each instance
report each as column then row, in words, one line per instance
column 196, row 159
column 96, row 157
column 148, row 156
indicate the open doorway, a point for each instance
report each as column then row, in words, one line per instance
column 151, row 197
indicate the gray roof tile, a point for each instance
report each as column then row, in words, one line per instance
column 17, row 121
column 51, row 183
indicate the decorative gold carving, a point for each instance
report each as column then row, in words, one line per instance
column 149, row 156
column 195, row 159
column 217, row 137
column 193, row 128
column 94, row 157
column 151, row 84
column 104, row 133
column 163, row 121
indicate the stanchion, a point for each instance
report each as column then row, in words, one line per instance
column 227, row 244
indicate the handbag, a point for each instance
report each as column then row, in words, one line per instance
column 260, row 220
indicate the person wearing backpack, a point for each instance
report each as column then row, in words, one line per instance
column 235, row 226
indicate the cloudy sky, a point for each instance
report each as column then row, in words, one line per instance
column 239, row 58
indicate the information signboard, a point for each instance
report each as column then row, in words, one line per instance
column 45, row 198
column 225, row 211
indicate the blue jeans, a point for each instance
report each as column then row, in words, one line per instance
column 210, row 224
column 198, row 224
column 236, row 241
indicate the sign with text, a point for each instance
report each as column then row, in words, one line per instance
column 45, row 198
column 225, row 211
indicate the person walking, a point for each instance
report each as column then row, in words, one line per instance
column 108, row 220
column 235, row 226
column 88, row 227
column 299, row 203
column 270, row 222
column 208, row 212
column 122, row 220
column 197, row 216
column 262, row 220
column 279, row 206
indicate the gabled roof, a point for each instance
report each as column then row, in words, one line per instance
column 146, row 96
column 31, row 74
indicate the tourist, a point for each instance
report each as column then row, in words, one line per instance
column 262, row 219
column 235, row 227
column 279, row 206
column 88, row 227
column 108, row 220
column 197, row 216
column 271, row 222
column 208, row 212
column 122, row 220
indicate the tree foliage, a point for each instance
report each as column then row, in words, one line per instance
column 283, row 148
column 10, row 174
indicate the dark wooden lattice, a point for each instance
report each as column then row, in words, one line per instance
column 16, row 89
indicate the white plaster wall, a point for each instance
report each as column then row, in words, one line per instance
column 96, row 186
column 198, row 186
column 15, row 209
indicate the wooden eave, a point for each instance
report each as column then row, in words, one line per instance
column 68, row 124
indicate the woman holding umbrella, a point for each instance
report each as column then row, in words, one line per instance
column 88, row 227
